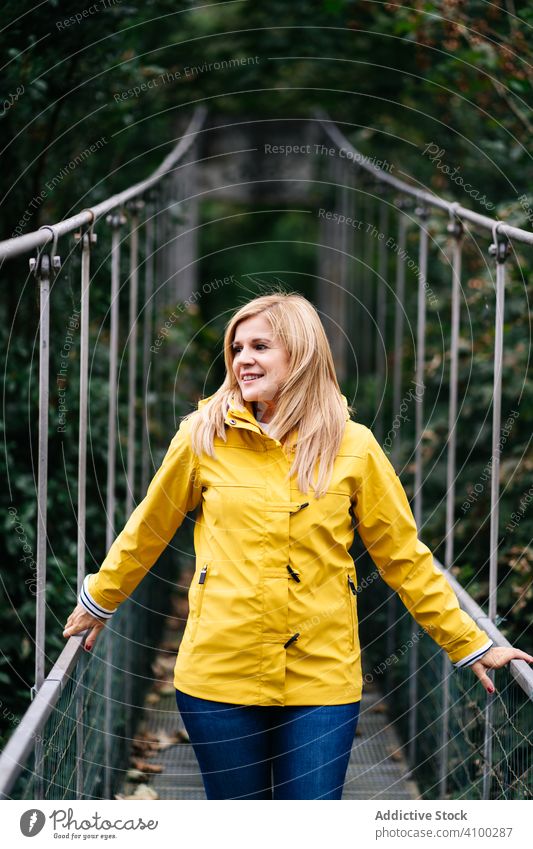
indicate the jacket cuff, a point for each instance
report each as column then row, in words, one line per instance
column 88, row 602
column 473, row 656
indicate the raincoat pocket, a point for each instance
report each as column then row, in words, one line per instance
column 352, row 593
column 197, row 599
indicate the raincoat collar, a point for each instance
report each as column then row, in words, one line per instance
column 238, row 416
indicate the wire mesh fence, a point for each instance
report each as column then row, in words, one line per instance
column 94, row 696
column 454, row 755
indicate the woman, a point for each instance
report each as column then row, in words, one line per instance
column 268, row 674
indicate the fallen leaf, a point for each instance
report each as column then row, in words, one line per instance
column 144, row 766
column 136, row 775
column 166, row 689
column 166, row 660
column 143, row 791
column 144, row 747
column 169, row 645
column 165, row 740
column 145, row 736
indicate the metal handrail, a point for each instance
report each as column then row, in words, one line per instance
column 22, row 741
column 420, row 195
column 22, row 244
column 520, row 670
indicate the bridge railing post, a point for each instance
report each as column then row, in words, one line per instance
column 352, row 267
column 419, row 427
column 499, row 249
column 184, row 222
column 344, row 252
column 148, row 315
column 41, row 267
column 116, row 220
column 380, row 353
column 368, row 283
column 86, row 237
column 399, row 321
column 134, row 208
column 397, row 374
column 332, row 294
column 455, row 229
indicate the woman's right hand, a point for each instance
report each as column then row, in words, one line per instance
column 79, row 620
column 495, row 658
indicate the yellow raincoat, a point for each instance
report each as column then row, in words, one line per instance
column 273, row 613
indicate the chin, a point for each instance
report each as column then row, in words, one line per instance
column 250, row 395
column 256, row 393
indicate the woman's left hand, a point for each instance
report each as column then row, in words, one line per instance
column 495, row 658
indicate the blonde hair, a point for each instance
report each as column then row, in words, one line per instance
column 309, row 402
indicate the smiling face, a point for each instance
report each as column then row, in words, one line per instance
column 260, row 361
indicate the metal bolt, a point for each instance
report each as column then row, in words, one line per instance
column 455, row 228
column 116, row 219
column 500, row 250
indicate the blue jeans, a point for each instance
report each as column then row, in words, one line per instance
column 270, row 752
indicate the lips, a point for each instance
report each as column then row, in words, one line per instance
column 248, row 378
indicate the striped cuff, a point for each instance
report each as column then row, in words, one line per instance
column 87, row 601
column 471, row 658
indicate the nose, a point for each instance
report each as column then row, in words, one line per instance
column 244, row 357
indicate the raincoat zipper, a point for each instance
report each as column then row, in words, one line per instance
column 351, row 602
column 201, row 582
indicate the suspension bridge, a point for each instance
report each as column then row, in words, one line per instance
column 91, row 717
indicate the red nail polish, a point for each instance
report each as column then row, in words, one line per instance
column 491, row 690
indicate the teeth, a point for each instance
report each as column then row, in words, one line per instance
column 248, row 378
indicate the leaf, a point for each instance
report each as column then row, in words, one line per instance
column 144, row 766
column 166, row 740
column 143, row 791
column 136, row 775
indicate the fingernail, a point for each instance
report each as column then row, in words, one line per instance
column 491, row 690
column 88, row 648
